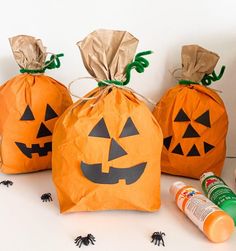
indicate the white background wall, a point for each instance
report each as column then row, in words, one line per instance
column 162, row 26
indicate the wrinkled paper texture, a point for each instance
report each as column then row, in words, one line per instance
column 106, row 53
column 28, row 51
column 73, row 146
column 196, row 62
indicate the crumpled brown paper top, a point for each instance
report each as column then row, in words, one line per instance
column 106, row 53
column 28, row 51
column 196, row 62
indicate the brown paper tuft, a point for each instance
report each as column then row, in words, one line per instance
column 28, row 51
column 196, row 62
column 106, row 53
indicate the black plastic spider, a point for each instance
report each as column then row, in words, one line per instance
column 46, row 197
column 6, row 183
column 158, row 239
column 85, row 240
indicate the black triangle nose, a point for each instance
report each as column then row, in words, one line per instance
column 116, row 151
column 43, row 131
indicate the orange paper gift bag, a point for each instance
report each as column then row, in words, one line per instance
column 30, row 105
column 107, row 147
column 193, row 118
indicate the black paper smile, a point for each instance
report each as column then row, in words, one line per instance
column 94, row 173
column 35, row 148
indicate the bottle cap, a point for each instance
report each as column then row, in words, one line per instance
column 205, row 175
column 175, row 187
column 218, row 226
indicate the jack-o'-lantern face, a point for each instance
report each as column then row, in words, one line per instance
column 183, row 120
column 107, row 156
column 130, row 174
column 30, row 106
column 43, row 131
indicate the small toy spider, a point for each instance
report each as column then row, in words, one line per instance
column 6, row 183
column 157, row 237
column 46, row 197
column 85, row 240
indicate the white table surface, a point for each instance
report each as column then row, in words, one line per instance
column 28, row 224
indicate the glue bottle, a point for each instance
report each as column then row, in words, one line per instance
column 210, row 219
column 219, row 193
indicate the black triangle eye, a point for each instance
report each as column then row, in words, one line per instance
column 50, row 113
column 181, row 116
column 100, row 130
column 27, row 115
column 129, row 129
column 204, row 119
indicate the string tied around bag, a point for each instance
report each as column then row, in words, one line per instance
column 139, row 64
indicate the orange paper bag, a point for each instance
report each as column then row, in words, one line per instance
column 30, row 105
column 107, row 147
column 193, row 118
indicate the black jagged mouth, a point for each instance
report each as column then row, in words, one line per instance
column 35, row 148
column 94, row 173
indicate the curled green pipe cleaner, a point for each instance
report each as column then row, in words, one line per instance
column 207, row 79
column 139, row 64
column 52, row 63
column 187, row 82
column 116, row 82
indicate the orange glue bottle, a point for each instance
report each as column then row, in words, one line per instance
column 210, row 219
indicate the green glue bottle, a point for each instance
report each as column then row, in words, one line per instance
column 219, row 193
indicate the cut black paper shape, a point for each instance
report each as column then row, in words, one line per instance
column 204, row 119
column 129, row 129
column 167, row 142
column 193, row 151
column 116, row 151
column 93, row 172
column 190, row 132
column 100, row 130
column 27, row 115
column 50, row 113
column 35, row 148
column 207, row 147
column 178, row 150
column 181, row 116
column 43, row 131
